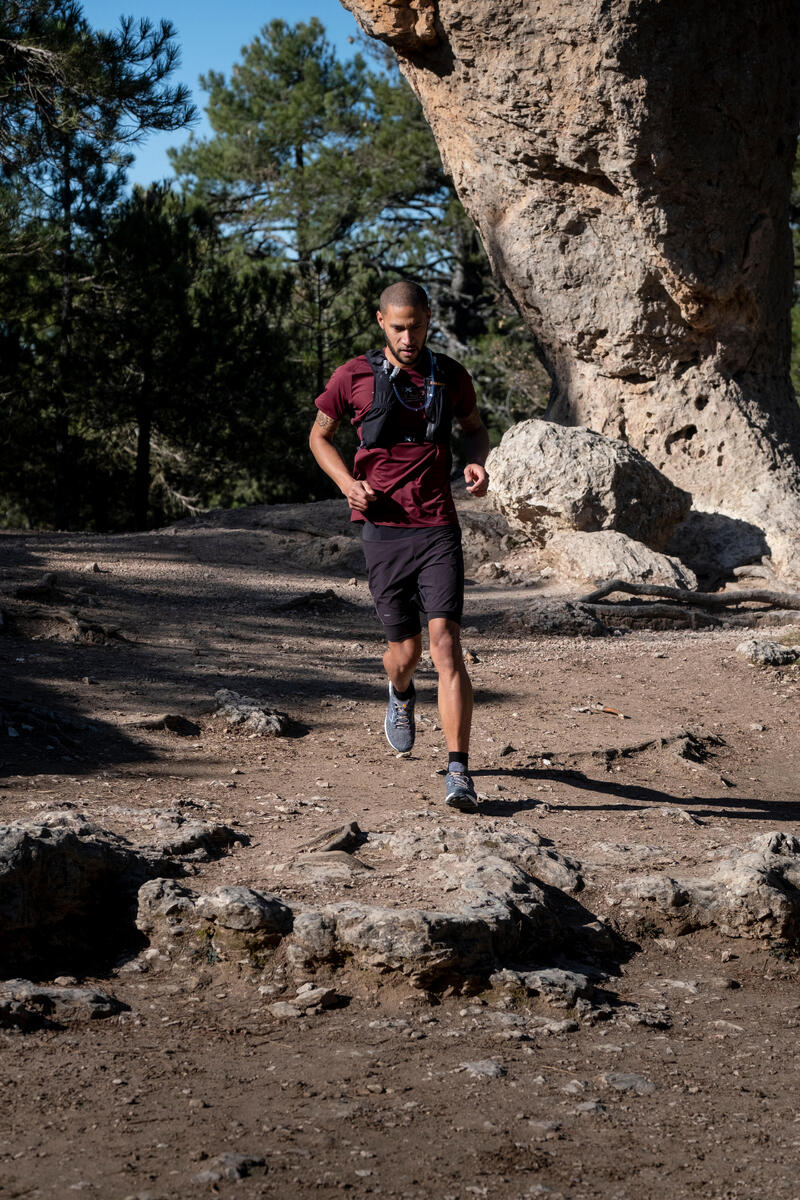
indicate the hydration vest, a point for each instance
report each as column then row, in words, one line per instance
column 381, row 424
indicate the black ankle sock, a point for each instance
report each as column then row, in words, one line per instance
column 455, row 758
column 407, row 694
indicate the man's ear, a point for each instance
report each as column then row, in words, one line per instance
column 379, row 318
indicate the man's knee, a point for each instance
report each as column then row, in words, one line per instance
column 406, row 653
column 445, row 640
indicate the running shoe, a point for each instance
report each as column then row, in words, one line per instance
column 460, row 791
column 399, row 724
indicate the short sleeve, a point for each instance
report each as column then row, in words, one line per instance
column 335, row 401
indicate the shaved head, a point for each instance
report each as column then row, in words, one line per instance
column 404, row 295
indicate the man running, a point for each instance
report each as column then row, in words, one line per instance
column 402, row 400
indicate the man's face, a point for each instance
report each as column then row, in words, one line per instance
column 405, row 330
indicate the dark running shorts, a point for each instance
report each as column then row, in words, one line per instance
column 419, row 571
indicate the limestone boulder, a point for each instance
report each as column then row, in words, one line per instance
column 548, row 479
column 250, row 715
column 229, row 924
column 587, row 558
column 767, row 654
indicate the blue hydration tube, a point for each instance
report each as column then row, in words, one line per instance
column 430, row 385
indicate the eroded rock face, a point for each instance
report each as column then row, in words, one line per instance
column 67, row 892
column 628, row 167
column 498, row 911
column 547, row 479
column 408, row 25
column 755, row 893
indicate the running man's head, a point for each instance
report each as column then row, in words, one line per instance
column 404, row 315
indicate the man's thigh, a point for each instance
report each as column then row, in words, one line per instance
column 440, row 577
column 392, row 574
column 422, row 573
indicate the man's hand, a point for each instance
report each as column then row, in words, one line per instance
column 476, row 479
column 360, row 495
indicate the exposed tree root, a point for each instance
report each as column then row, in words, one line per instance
column 775, row 599
column 692, row 608
column 686, row 744
column 82, row 628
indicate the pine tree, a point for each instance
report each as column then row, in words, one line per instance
column 74, row 101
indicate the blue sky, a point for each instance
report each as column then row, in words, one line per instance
column 211, row 36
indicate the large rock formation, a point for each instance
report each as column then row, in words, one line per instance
column 546, row 480
column 628, row 166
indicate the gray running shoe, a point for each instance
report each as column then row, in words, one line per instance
column 399, row 724
column 460, row 791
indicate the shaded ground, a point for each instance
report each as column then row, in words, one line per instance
column 374, row 1097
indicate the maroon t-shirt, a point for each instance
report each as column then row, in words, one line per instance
column 411, row 479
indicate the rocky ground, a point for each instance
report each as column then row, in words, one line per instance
column 587, row 990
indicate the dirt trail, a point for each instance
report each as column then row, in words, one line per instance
column 397, row 1092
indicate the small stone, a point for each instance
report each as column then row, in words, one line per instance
column 488, row 1068
column 251, row 715
column 557, row 1027
column 544, row 1128
column 229, row 1166
column 313, row 997
column 285, row 1011
column 628, row 1082
column 344, row 837
column 724, row 984
column 767, row 654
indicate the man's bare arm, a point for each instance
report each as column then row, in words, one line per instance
column 357, row 493
column 475, row 436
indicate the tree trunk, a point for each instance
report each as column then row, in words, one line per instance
column 63, row 497
column 141, row 477
column 628, row 165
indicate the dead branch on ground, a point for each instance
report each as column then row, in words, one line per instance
column 688, row 606
column 786, row 600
